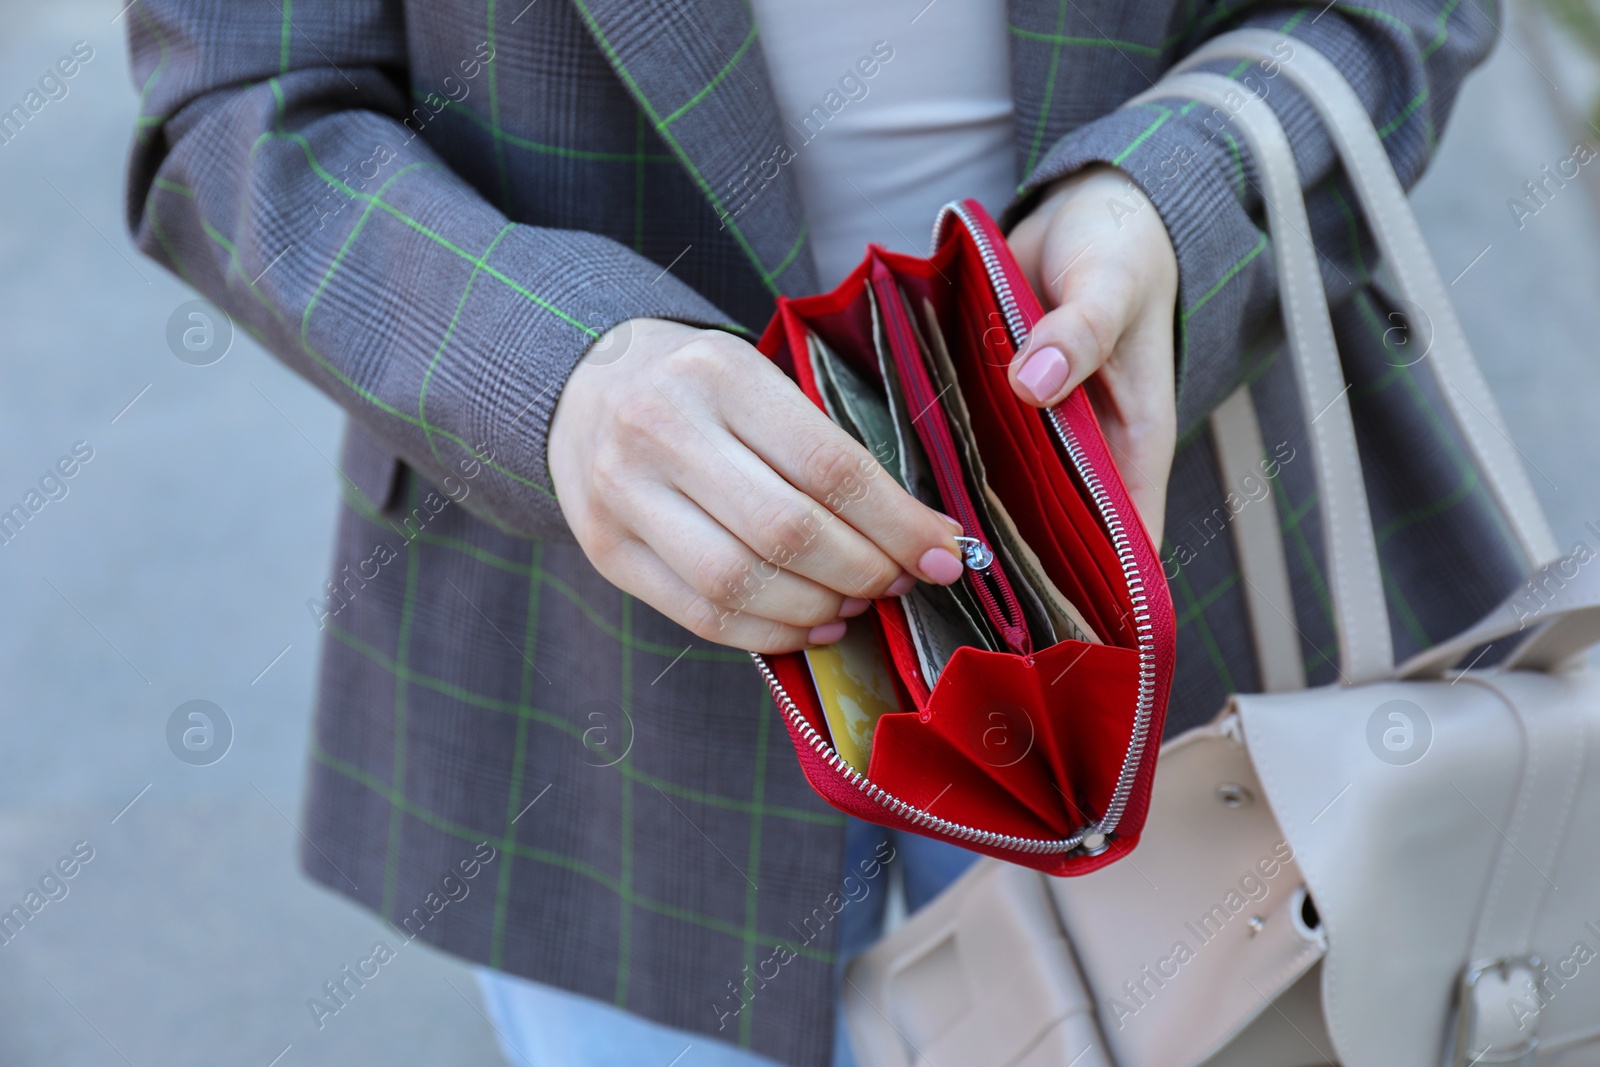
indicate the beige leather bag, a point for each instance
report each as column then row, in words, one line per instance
column 1402, row 870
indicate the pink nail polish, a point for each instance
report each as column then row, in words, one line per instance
column 940, row 566
column 901, row 585
column 1044, row 373
column 853, row 606
column 827, row 633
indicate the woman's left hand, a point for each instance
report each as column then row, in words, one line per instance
column 1098, row 255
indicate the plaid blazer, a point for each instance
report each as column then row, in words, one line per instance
column 432, row 209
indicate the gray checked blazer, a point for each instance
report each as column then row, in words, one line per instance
column 431, row 210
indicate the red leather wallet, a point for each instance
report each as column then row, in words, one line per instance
column 1039, row 749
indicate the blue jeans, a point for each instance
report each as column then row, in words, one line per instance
column 541, row 1026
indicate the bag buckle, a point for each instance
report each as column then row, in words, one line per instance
column 1497, row 1013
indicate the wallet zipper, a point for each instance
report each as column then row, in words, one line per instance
column 989, row 581
column 1144, row 632
column 1093, row 838
column 910, row 812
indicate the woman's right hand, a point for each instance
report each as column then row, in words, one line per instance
column 698, row 478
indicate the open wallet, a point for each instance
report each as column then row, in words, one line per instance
column 1018, row 712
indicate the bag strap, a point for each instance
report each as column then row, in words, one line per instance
column 1405, row 250
column 1501, row 964
column 1360, row 615
column 1258, row 544
column 1359, row 608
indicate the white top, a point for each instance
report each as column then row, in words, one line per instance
column 891, row 108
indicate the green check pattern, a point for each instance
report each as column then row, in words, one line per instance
column 433, row 210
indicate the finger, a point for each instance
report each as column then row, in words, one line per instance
column 1133, row 394
column 635, row 566
column 721, row 569
column 1151, row 501
column 1075, row 339
column 819, row 459
column 1028, row 240
column 1142, row 452
column 778, row 522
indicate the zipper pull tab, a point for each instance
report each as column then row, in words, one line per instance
column 974, row 553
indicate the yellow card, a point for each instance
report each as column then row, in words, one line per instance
column 856, row 688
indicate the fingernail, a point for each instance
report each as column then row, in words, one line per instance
column 901, row 585
column 941, row 566
column 826, row 634
column 853, row 606
column 1044, row 372
column 959, row 528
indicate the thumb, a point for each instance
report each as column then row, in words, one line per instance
column 1069, row 344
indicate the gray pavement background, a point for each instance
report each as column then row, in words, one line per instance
column 178, row 565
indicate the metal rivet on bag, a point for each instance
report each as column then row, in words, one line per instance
column 1257, row 924
column 1094, row 843
column 1233, row 795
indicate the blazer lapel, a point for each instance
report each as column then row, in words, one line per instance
column 1034, row 67
column 697, row 71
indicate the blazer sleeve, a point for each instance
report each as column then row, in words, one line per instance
column 276, row 169
column 1405, row 59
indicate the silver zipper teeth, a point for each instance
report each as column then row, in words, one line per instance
column 1143, row 631
column 991, row 263
column 1142, row 628
column 909, row 812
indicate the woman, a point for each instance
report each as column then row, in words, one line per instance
column 527, row 249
